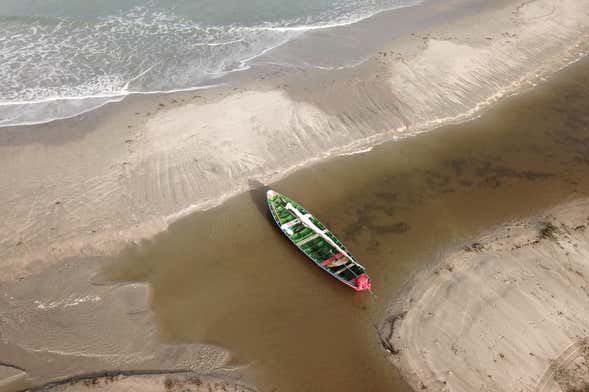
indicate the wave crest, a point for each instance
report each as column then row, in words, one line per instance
column 60, row 59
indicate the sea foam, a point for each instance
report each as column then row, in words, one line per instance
column 59, row 66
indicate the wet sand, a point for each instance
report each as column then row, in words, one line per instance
column 226, row 276
column 145, row 381
column 506, row 312
column 92, row 184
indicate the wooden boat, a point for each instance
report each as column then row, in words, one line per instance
column 316, row 241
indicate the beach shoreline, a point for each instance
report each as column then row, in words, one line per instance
column 69, row 320
column 136, row 171
column 296, row 52
column 34, row 105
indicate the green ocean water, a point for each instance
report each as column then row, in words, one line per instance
column 214, row 12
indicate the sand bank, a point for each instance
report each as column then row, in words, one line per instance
column 67, row 321
column 89, row 185
column 508, row 312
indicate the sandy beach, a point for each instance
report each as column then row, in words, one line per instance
column 91, row 184
column 506, row 312
column 111, row 219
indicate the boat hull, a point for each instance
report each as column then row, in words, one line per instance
column 313, row 239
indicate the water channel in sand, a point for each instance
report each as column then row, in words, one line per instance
column 227, row 276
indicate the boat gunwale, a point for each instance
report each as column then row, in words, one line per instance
column 274, row 214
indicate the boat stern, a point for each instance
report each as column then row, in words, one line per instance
column 362, row 283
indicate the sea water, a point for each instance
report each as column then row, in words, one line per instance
column 59, row 58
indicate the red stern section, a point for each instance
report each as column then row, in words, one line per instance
column 362, row 283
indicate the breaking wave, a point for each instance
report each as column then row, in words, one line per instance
column 58, row 66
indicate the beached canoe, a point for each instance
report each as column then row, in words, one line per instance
column 316, row 241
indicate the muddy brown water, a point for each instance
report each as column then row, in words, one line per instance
column 227, row 276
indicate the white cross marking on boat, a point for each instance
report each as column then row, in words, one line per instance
column 306, row 220
column 288, row 226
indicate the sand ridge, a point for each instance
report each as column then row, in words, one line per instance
column 128, row 174
column 506, row 313
column 67, row 320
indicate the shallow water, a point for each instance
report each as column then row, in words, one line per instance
column 227, row 276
